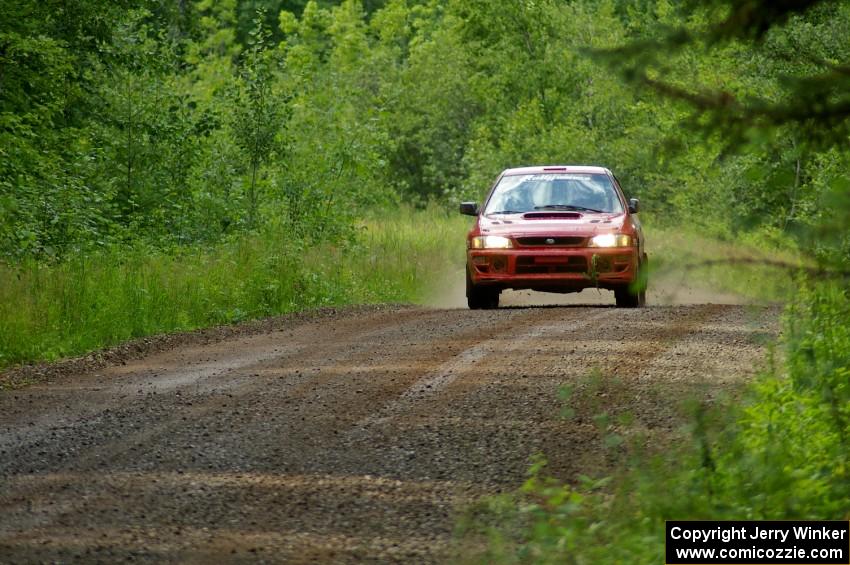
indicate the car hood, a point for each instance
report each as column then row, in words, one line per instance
column 551, row 224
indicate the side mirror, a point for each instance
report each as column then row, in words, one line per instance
column 634, row 205
column 469, row 208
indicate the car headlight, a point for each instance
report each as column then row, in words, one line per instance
column 490, row 242
column 610, row 240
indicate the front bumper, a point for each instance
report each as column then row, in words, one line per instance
column 553, row 269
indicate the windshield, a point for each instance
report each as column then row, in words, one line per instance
column 583, row 192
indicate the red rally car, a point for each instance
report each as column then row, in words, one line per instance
column 555, row 229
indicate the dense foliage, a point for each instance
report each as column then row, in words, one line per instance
column 166, row 165
column 187, row 122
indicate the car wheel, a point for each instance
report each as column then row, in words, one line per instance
column 626, row 296
column 480, row 298
column 627, row 299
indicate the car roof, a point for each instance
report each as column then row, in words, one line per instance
column 541, row 169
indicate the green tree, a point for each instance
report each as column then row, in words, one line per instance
column 259, row 110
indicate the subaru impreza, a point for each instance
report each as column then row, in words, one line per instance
column 555, row 229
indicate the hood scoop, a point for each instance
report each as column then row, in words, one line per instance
column 551, row 215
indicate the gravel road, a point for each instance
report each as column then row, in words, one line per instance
column 347, row 436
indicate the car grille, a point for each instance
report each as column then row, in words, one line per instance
column 571, row 264
column 552, row 241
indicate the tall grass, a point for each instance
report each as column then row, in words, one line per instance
column 751, row 270
column 92, row 301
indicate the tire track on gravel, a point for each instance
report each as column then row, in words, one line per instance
column 149, row 377
column 436, row 381
column 352, row 443
column 291, row 377
column 164, row 372
column 245, row 381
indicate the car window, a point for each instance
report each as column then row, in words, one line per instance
column 579, row 191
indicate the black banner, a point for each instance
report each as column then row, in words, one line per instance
column 758, row 542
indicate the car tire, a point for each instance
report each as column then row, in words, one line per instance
column 480, row 298
column 627, row 299
column 626, row 296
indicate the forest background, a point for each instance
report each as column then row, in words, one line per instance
column 188, row 123
column 172, row 165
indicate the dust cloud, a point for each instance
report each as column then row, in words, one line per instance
column 665, row 289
